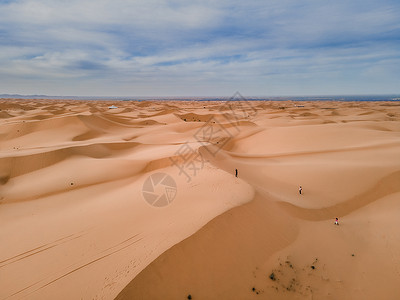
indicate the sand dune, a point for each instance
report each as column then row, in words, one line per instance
column 75, row 222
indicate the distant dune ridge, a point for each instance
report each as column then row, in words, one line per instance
column 76, row 224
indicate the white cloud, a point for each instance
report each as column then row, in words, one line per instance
column 123, row 47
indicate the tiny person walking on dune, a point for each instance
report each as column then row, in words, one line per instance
column 236, row 172
column 300, row 190
column 337, row 221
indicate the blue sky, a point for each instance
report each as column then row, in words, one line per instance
column 199, row 48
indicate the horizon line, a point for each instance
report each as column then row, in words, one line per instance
column 133, row 97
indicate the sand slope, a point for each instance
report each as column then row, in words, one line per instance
column 349, row 166
column 74, row 223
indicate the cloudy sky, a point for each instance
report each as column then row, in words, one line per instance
column 199, row 48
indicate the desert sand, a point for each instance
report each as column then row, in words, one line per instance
column 82, row 217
